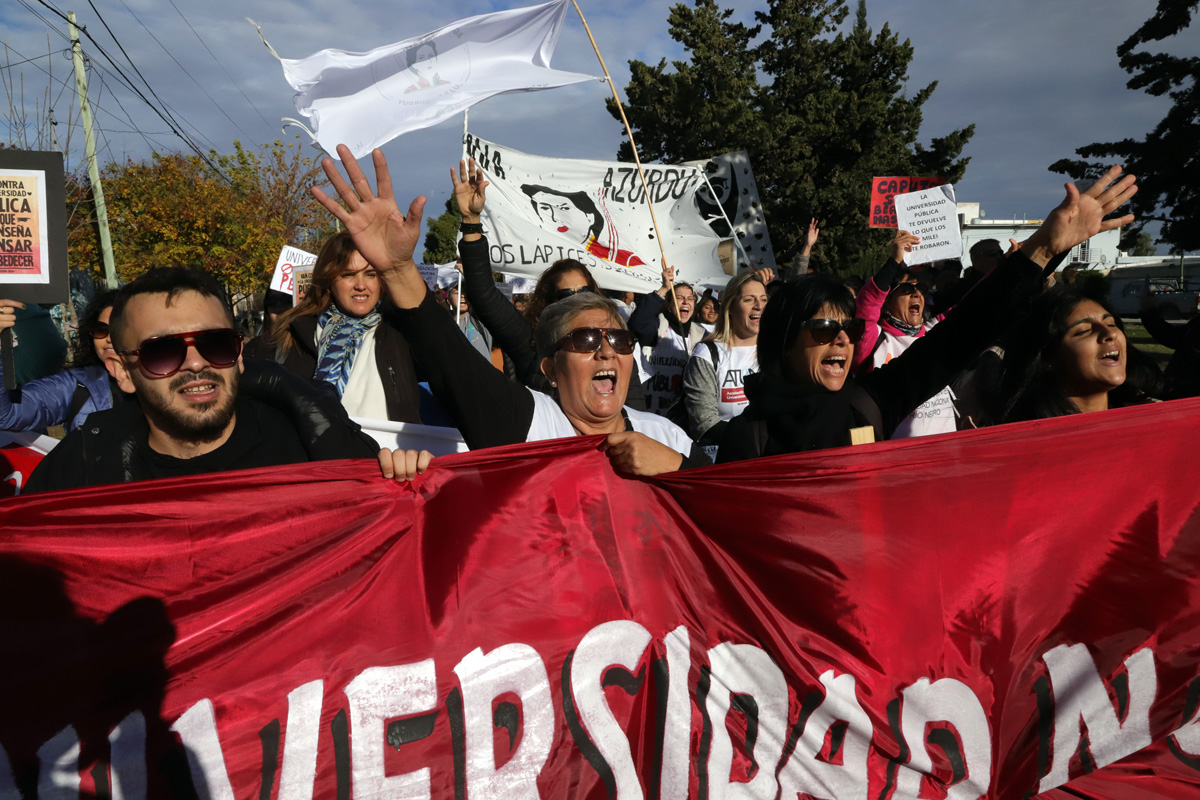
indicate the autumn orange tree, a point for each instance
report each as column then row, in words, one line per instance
column 231, row 220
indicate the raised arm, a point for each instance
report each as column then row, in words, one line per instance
column 868, row 305
column 934, row 359
column 511, row 332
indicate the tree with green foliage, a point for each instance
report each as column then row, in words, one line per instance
column 441, row 236
column 1167, row 161
column 821, row 110
column 1143, row 245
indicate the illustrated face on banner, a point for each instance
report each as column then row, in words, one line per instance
column 419, row 69
column 723, row 180
column 573, row 214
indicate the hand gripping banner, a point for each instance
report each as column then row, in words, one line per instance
column 990, row 614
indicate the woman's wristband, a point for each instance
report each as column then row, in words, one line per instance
column 471, row 227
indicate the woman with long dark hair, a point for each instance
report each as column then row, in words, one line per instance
column 67, row 397
column 1070, row 357
column 802, row 397
column 342, row 333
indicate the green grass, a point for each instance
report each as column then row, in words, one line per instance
column 1137, row 336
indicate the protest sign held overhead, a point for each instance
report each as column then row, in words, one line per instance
column 439, row 276
column 933, row 216
column 363, row 100
column 883, row 190
column 33, row 226
column 540, row 210
column 284, row 279
column 734, row 200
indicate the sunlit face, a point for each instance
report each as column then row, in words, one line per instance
column 563, row 216
column 357, row 290
column 103, row 346
column 746, row 311
column 458, row 301
column 707, row 312
column 906, row 303
column 196, row 404
column 824, row 365
column 685, row 302
column 1091, row 358
column 591, row 386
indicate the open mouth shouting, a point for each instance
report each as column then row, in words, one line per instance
column 834, row 366
column 605, row 382
column 1111, row 359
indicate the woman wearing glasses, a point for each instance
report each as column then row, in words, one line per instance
column 893, row 306
column 65, row 398
column 803, row 398
column 584, row 350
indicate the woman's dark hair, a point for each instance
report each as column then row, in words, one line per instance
column 85, row 350
column 795, row 302
column 332, row 262
column 1030, row 388
column 543, row 293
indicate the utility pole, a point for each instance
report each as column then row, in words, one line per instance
column 89, row 140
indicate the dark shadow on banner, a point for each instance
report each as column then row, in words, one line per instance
column 68, row 682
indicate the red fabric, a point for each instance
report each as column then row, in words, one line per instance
column 17, row 463
column 883, row 197
column 965, row 557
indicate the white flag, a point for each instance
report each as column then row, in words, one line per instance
column 363, row 100
column 540, row 210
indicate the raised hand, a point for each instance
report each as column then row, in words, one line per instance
column 8, row 314
column 668, row 279
column 469, row 187
column 903, row 243
column 383, row 236
column 1080, row 216
column 813, row 233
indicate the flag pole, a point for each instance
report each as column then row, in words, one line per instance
column 632, row 146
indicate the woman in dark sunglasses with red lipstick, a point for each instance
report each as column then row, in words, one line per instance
column 66, row 398
column 803, row 397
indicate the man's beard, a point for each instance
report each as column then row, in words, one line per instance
column 206, row 422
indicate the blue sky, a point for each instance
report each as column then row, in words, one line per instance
column 1037, row 79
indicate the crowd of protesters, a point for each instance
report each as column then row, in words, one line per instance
column 161, row 384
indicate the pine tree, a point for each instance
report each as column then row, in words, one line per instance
column 1167, row 161
column 828, row 113
column 441, row 236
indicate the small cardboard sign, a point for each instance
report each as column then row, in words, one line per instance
column 439, row 276
column 289, row 259
column 883, row 191
column 933, row 216
column 302, row 279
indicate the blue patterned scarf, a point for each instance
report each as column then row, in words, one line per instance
column 341, row 336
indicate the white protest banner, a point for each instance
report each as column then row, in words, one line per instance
column 363, row 100
column 932, row 215
column 519, row 284
column 540, row 210
column 734, row 199
column 289, row 258
column 439, row 276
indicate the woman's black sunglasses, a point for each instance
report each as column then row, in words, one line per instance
column 824, row 331
column 563, row 294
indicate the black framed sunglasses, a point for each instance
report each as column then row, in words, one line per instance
column 589, row 340
column 825, row 331
column 100, row 330
column 163, row 356
column 563, row 294
column 903, row 289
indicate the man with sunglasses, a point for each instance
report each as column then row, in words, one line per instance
column 893, row 306
column 176, row 351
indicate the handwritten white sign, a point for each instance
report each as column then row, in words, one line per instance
column 284, row 279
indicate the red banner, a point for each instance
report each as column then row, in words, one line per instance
column 983, row 614
column 883, row 197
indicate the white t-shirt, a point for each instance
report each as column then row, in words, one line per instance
column 662, row 369
column 364, row 395
column 935, row 415
column 732, row 367
column 549, row 422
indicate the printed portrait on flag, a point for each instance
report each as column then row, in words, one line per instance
column 540, row 210
column 419, row 69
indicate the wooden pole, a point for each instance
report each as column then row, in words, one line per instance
column 632, row 146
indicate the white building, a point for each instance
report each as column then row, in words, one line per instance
column 1099, row 252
